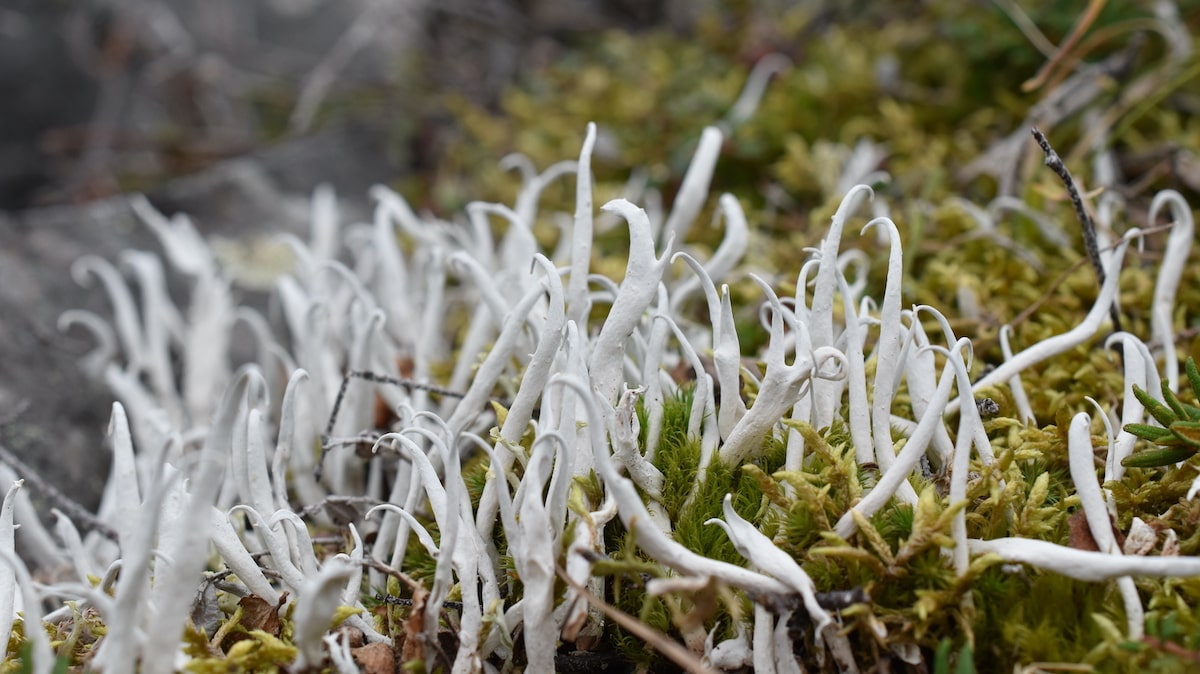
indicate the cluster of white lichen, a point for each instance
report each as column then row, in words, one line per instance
column 213, row 465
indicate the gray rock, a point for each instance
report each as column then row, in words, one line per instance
column 54, row 417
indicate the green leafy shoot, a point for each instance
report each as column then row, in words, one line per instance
column 1178, row 437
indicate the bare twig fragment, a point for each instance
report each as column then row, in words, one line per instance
column 1055, row 163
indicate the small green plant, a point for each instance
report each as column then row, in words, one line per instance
column 1178, row 436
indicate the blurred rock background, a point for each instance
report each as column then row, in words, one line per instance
column 231, row 111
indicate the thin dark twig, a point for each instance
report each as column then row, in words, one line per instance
column 393, row 599
column 836, row 600
column 651, row 636
column 379, row 566
column 64, row 503
column 409, row 384
column 416, row 587
column 405, row 601
column 367, row 437
column 1055, row 163
column 376, row 379
column 335, row 501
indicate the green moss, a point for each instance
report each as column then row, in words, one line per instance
column 475, row 476
column 418, row 563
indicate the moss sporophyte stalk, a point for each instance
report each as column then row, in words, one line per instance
column 901, row 437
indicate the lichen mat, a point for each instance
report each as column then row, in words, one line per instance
column 549, row 462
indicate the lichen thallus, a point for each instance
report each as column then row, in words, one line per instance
column 833, row 600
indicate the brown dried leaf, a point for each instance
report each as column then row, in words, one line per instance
column 259, row 614
column 1081, row 535
column 375, row 658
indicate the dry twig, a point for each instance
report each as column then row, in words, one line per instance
column 653, row 638
column 1055, row 163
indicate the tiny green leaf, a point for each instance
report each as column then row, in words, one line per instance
column 1193, row 375
column 966, row 660
column 941, row 658
column 1173, row 401
column 1153, row 458
column 1161, row 413
column 1193, row 412
column 1148, row 432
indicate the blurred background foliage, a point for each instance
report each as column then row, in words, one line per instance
column 931, row 102
column 936, row 82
